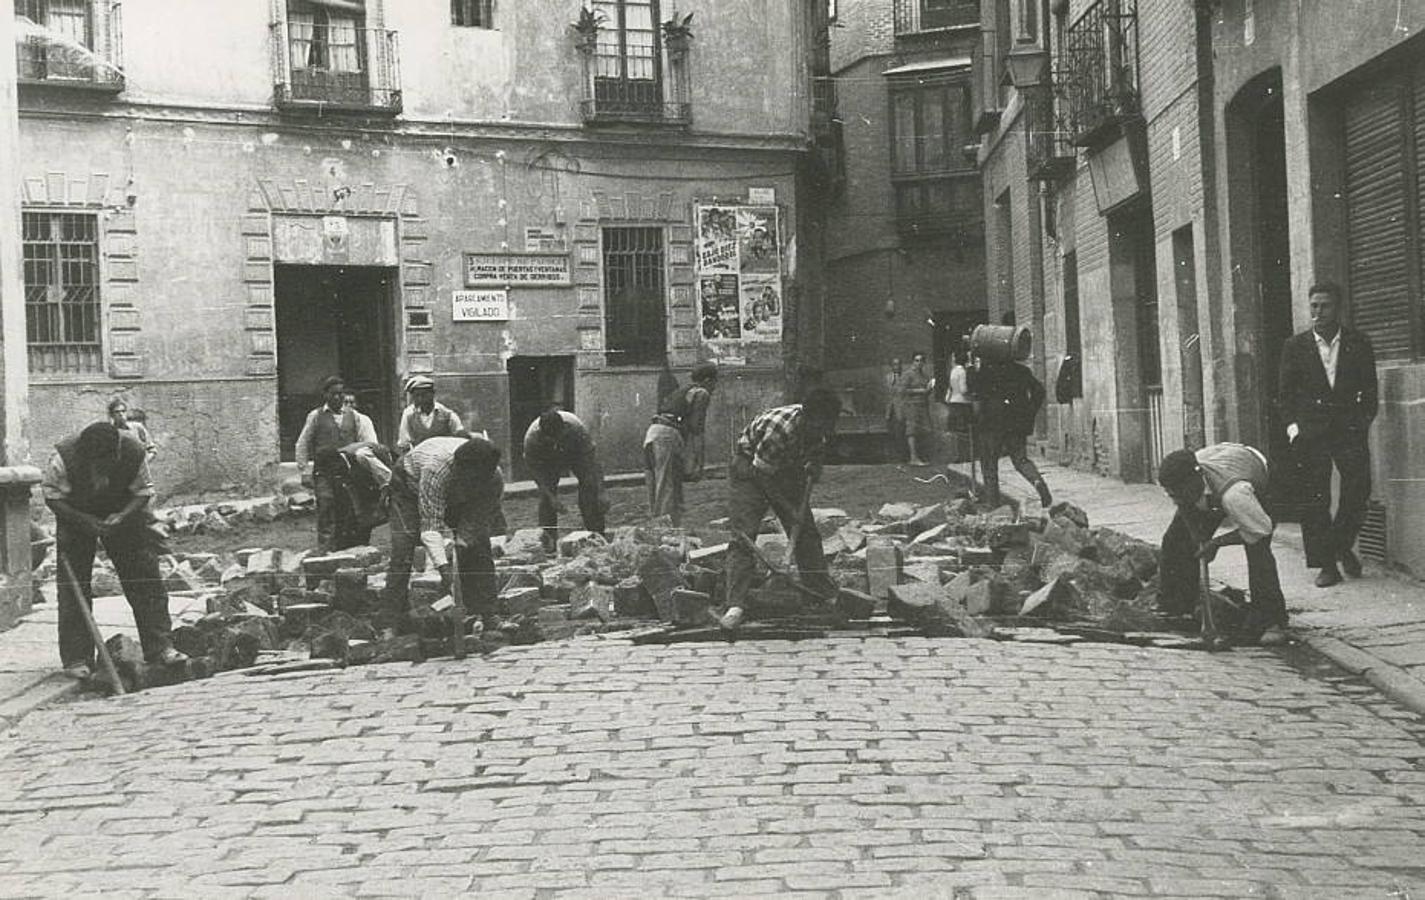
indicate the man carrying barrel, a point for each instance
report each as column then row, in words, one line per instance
column 1007, row 398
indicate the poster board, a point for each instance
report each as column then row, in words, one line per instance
column 739, row 274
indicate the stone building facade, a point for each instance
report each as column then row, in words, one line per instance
column 224, row 203
column 904, row 248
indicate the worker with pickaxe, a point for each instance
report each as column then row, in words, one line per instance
column 775, row 463
column 1220, row 483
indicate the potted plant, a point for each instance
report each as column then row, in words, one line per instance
column 678, row 33
column 586, row 28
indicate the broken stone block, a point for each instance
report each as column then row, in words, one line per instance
column 525, row 544
column 884, row 561
column 924, row 518
column 224, row 605
column 297, row 597
column 958, row 588
column 525, row 601
column 289, row 572
column 1055, row 597
column 661, row 576
column 128, row 661
column 976, row 556
column 930, row 534
column 576, row 542
column 990, row 596
column 691, row 609
column 1142, row 558
column 895, row 512
column 1001, row 515
column 1006, row 535
column 773, row 546
column 365, row 556
column 231, row 573
column 352, row 593
column 215, row 523
column 316, row 569
column 302, row 501
column 854, row 538
column 706, row 555
column 265, row 564
column 1090, row 577
column 1067, row 536
column 631, row 600
column 853, row 604
column 243, row 555
column 183, row 578
column 105, row 581
column 520, row 577
column 914, row 602
column 697, row 578
column 248, row 589
column 592, row 601
column 829, row 521
column 1071, row 512
column 923, row 570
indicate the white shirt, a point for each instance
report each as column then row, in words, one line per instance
column 959, row 386
column 1329, row 350
column 1243, row 510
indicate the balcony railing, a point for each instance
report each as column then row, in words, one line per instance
column 336, row 69
column 659, row 95
column 916, row 16
column 1100, row 64
column 938, row 203
column 79, row 51
column 1050, row 153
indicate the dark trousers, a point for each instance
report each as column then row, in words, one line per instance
column 1180, row 578
column 135, row 557
column 591, row 494
column 749, row 496
column 1327, row 537
column 325, row 491
column 476, row 571
column 895, row 438
column 990, row 445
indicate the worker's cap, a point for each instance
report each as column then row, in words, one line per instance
column 419, row 382
column 331, row 381
column 705, row 371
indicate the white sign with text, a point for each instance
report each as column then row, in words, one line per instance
column 480, row 306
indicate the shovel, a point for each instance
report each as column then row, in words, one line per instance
column 457, row 615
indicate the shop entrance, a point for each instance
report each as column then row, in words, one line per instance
column 536, row 382
column 334, row 320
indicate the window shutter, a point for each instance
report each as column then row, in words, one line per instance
column 1376, row 219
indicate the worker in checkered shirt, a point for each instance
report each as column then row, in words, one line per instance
column 443, row 482
column 775, row 462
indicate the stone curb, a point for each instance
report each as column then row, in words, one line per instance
column 1393, row 681
column 47, row 690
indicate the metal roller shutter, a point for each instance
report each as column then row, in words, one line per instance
column 1378, row 239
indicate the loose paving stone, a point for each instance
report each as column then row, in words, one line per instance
column 906, row 767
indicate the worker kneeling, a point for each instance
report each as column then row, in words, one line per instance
column 776, row 461
column 1220, row 484
column 453, row 482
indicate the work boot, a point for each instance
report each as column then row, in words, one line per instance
column 1329, row 575
column 1046, row 499
column 1272, row 637
column 1351, row 563
column 78, row 671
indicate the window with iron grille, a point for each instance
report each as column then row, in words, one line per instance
column 62, row 313
column 326, row 39
column 69, row 29
column 472, row 13
column 627, row 70
column 635, row 330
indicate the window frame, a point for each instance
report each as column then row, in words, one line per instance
column 473, row 14
column 954, row 139
column 89, row 348
column 619, row 351
column 620, row 28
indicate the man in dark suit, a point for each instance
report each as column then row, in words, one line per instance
column 1328, row 400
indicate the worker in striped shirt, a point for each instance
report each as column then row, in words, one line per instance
column 442, row 482
column 775, row 462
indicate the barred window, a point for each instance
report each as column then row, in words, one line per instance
column 472, row 13
column 62, row 313
column 635, row 319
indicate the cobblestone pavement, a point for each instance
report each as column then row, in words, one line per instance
column 902, row 768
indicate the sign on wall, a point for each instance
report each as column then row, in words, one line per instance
column 517, row 269
column 480, row 306
column 739, row 268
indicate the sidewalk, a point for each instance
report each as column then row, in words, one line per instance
column 1372, row 626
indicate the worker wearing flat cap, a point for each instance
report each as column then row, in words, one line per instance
column 329, row 427
column 424, row 417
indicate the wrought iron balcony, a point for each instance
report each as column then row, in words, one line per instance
column 73, row 46
column 918, row 16
column 1100, row 70
column 938, row 204
column 621, row 88
column 339, row 69
column 1050, row 154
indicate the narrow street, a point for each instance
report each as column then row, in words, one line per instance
column 878, row 767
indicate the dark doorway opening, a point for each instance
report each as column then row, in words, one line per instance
column 334, row 320
column 1133, row 277
column 536, row 383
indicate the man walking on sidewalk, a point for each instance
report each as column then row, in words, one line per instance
column 1007, row 400
column 775, row 461
column 558, row 442
column 1328, row 400
column 1220, row 483
column 98, row 486
column 446, row 482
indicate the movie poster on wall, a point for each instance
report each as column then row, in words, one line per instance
column 739, row 269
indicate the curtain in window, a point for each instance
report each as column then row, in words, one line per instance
column 342, row 36
column 70, row 19
column 626, row 41
column 300, row 30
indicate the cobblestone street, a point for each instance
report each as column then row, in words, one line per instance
column 912, row 768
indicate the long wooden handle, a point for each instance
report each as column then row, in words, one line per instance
column 106, row 662
column 799, row 525
column 457, row 618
